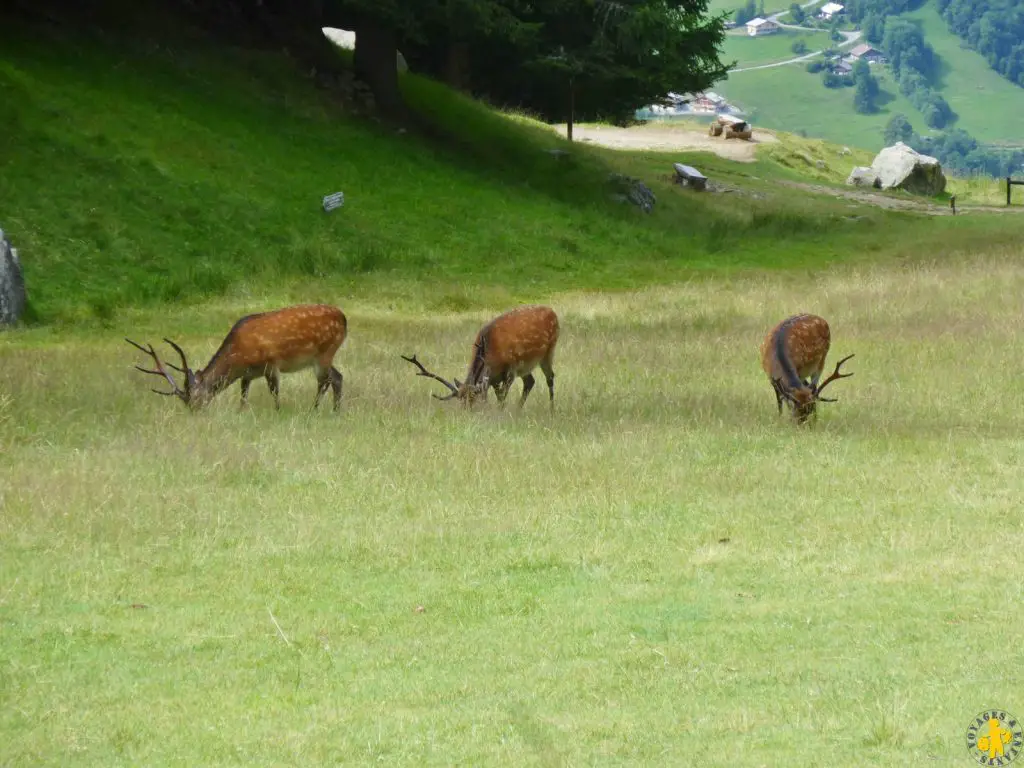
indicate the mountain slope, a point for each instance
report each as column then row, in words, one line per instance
column 789, row 98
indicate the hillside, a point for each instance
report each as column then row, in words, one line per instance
column 187, row 171
column 789, row 98
column 988, row 106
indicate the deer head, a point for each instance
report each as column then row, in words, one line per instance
column 804, row 400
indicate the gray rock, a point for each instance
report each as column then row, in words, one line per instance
column 634, row 191
column 900, row 167
column 862, row 176
column 12, row 284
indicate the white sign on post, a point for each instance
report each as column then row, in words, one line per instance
column 334, row 201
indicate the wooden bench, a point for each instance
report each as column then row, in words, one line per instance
column 690, row 176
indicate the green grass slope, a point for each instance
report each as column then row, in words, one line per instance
column 172, row 170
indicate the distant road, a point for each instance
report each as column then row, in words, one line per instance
column 775, row 16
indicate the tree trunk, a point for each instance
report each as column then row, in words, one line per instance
column 376, row 63
column 456, row 68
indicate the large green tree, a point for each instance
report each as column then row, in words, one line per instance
column 596, row 58
column 898, row 129
column 866, row 93
column 554, row 57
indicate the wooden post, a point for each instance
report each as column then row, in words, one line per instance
column 572, row 110
column 1008, row 188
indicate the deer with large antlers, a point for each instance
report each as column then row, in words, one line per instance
column 267, row 345
column 793, row 355
column 510, row 345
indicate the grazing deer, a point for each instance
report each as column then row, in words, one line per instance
column 511, row 345
column 267, row 344
column 792, row 351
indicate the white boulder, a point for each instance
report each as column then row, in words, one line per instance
column 12, row 284
column 863, row 176
column 900, row 167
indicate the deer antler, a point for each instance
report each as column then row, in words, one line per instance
column 190, row 377
column 424, row 372
column 160, row 371
column 835, row 375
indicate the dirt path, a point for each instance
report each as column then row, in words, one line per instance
column 896, row 203
column 665, row 138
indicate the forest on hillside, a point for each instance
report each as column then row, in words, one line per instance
column 994, row 28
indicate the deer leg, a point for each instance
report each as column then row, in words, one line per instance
column 328, row 378
column 549, row 376
column 245, row 392
column 323, row 383
column 528, row 382
column 336, row 380
column 274, row 383
column 502, row 386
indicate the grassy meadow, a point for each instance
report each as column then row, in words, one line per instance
column 661, row 571
column 780, row 97
column 750, row 51
column 661, row 565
